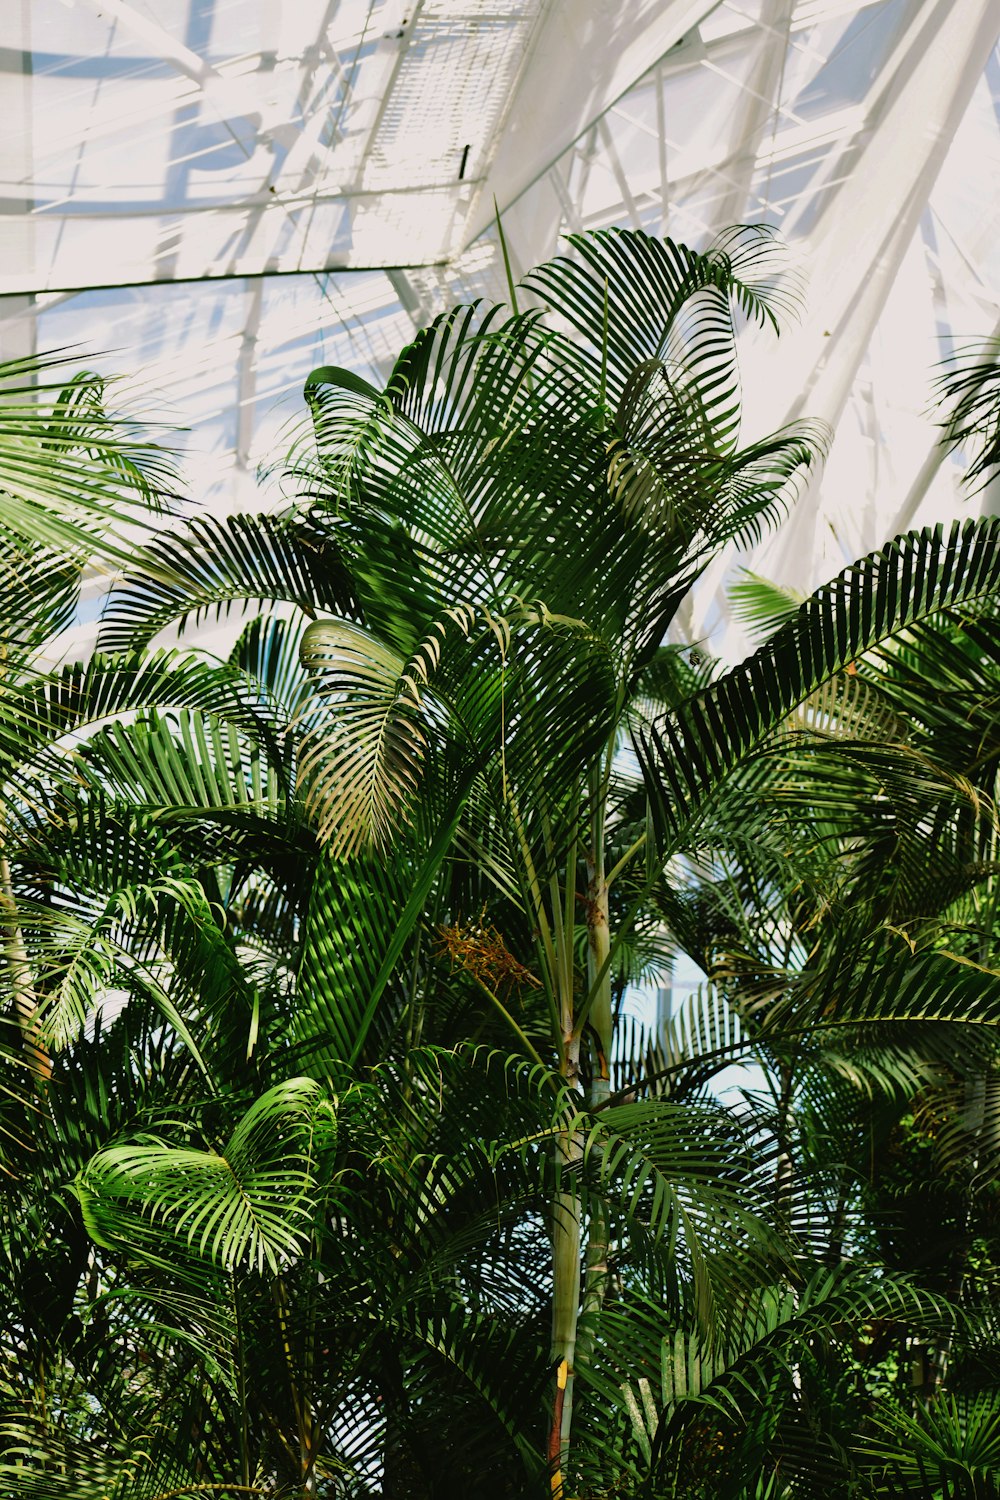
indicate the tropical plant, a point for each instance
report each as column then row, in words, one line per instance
column 76, row 475
column 327, row 943
column 596, row 477
column 970, row 387
column 510, row 531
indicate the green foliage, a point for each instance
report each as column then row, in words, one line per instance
column 249, row 1205
column 331, row 1165
column 971, row 388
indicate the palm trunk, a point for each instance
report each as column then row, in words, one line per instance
column 784, row 1172
column 566, row 1247
column 601, row 1018
column 300, row 1399
column 573, row 1269
column 241, row 1387
column 601, row 1021
column 566, row 1235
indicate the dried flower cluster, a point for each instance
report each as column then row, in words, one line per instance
column 479, row 949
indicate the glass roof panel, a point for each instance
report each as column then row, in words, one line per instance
column 330, row 164
column 224, row 362
column 205, row 138
column 812, row 112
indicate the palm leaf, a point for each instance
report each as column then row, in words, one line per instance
column 70, row 470
column 761, row 606
column 625, row 293
column 971, row 388
column 360, row 766
column 213, row 566
column 688, row 755
column 251, row 1205
column 44, row 711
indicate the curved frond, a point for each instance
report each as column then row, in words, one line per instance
column 971, row 388
column 688, row 755
column 362, row 754
column 251, row 1205
column 71, row 470
column 212, row 566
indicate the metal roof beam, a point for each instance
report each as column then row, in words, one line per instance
column 584, row 58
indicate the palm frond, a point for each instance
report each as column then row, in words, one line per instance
column 909, row 579
column 251, row 1205
column 761, row 606
column 971, row 388
column 213, row 566
column 71, row 470
column 361, row 762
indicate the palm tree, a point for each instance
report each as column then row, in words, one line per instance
column 507, row 467
column 510, row 530
column 77, row 475
column 435, row 798
column 871, row 815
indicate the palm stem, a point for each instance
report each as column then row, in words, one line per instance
column 566, row 1278
column 601, row 1015
column 626, row 859
column 537, row 900
column 241, row 1376
column 526, row 1043
column 300, row 1405
column 601, row 1020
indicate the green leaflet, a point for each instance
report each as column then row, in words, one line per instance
column 249, row 1206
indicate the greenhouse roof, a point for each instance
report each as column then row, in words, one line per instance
column 220, row 194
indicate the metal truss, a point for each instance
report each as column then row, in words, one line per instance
column 227, row 192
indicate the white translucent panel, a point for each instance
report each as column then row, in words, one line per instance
column 361, row 142
column 966, row 198
column 834, row 63
column 245, row 136
column 702, row 114
column 430, row 133
column 807, row 119
column 356, row 322
column 726, row 19
column 220, row 366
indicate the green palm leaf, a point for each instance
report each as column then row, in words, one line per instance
column 361, row 770
column 213, row 566
column 971, row 388
column 688, row 755
column 70, row 470
column 251, row 1205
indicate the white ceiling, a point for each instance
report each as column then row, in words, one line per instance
column 223, row 193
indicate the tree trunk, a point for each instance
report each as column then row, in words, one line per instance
column 566, row 1249
column 573, row 1269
